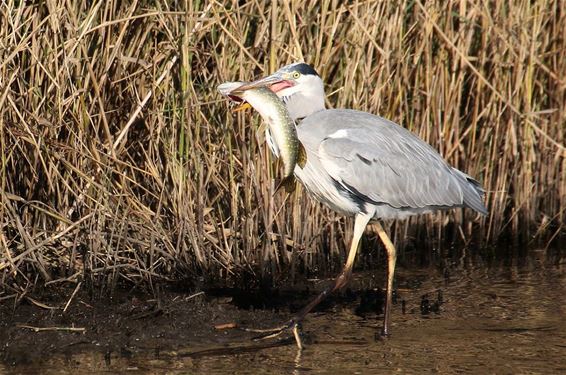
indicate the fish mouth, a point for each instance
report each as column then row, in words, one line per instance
column 242, row 104
column 235, row 98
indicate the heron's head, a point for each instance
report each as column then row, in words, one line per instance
column 298, row 85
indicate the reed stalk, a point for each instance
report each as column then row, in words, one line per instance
column 120, row 162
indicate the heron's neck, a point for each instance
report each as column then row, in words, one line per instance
column 301, row 105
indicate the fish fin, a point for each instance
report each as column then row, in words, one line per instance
column 242, row 107
column 288, row 183
column 302, row 157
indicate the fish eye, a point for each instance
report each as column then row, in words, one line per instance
column 296, row 75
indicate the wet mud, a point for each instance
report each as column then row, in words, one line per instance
column 466, row 316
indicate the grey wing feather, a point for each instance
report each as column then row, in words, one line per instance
column 381, row 162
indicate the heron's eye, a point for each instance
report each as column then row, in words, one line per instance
column 296, row 75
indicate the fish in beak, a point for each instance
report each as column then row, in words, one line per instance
column 233, row 90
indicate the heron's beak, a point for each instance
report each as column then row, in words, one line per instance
column 263, row 82
column 268, row 81
column 276, row 82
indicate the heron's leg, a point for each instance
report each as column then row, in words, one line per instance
column 359, row 227
column 341, row 281
column 391, row 259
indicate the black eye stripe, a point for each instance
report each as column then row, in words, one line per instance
column 305, row 69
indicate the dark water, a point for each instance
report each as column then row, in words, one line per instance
column 500, row 317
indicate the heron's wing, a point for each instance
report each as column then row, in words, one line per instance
column 388, row 164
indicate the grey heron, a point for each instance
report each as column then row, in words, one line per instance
column 365, row 166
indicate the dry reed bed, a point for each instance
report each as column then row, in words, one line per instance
column 120, row 161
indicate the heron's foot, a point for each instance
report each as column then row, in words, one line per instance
column 293, row 325
column 382, row 334
column 297, row 334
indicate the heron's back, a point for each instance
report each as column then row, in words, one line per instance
column 359, row 162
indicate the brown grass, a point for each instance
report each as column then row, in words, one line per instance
column 121, row 162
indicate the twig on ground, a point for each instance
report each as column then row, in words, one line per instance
column 44, row 329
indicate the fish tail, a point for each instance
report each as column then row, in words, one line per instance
column 288, row 183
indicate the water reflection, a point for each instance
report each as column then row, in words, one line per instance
column 501, row 316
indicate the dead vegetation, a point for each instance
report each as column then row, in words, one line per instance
column 120, row 161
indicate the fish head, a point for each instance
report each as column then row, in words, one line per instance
column 232, row 91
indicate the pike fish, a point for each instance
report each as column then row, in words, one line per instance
column 281, row 126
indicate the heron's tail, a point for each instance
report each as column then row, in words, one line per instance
column 473, row 192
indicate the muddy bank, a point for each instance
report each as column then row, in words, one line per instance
column 466, row 316
column 38, row 328
column 35, row 328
